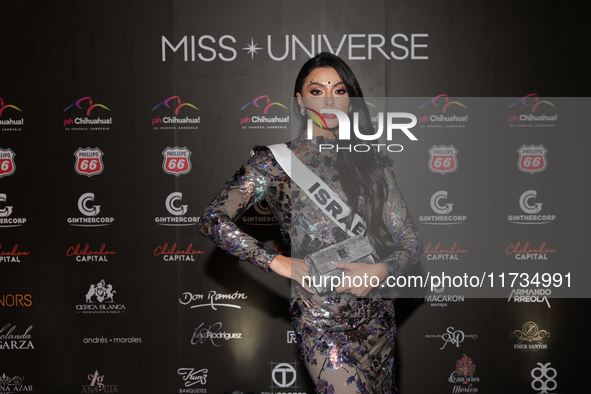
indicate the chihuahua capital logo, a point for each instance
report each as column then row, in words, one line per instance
column 87, row 106
column 7, row 123
column 253, row 119
column 173, row 122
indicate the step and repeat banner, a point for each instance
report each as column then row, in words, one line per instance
column 121, row 120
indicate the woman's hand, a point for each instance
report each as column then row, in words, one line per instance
column 291, row 268
column 363, row 272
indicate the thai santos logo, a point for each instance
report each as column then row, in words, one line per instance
column 87, row 207
column 344, row 127
column 443, row 209
column 6, row 211
column 12, row 339
column 440, row 112
column 259, row 215
column 532, row 209
column 530, row 337
column 255, row 114
column 85, row 254
column 443, row 159
column 192, row 376
column 176, row 253
column 440, row 253
column 12, row 255
column 89, row 161
column 452, row 337
column 100, row 300
column 177, row 161
column 7, row 123
column 463, row 377
column 14, row 384
column 290, row 47
column 213, row 300
column 529, row 112
column 175, row 207
column 96, row 384
column 7, row 165
column 544, row 378
column 530, row 295
column 85, row 107
column 532, row 158
column 174, row 121
column 527, row 252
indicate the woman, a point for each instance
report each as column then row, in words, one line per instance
column 346, row 342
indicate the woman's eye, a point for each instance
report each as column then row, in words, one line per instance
column 341, row 91
column 315, row 92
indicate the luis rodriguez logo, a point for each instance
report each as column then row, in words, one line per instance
column 253, row 119
column 174, row 120
column 85, row 106
column 7, row 123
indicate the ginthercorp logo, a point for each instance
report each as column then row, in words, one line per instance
column 443, row 209
column 7, row 123
column 544, row 378
column 440, row 112
column 443, row 159
column 283, row 375
column 14, row 384
column 192, row 376
column 452, row 336
column 463, row 377
column 530, row 337
column 90, row 210
column 100, row 299
column 5, row 212
column 13, row 339
column 173, row 120
column 527, row 252
column 528, row 204
column 175, row 207
column 96, row 384
column 259, row 215
column 11, row 255
column 532, row 158
column 89, row 161
column 255, row 114
column 7, row 164
column 177, row 161
column 439, row 252
column 530, row 111
column 84, row 108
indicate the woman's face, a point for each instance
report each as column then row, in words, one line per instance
column 324, row 89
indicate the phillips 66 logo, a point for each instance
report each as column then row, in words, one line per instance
column 443, row 159
column 89, row 161
column 177, row 161
column 532, row 158
column 7, row 166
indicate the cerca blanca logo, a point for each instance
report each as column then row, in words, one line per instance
column 178, row 210
column 97, row 385
column 532, row 209
column 453, row 337
column 91, row 212
column 6, row 211
column 214, row 300
column 443, row 209
column 100, row 299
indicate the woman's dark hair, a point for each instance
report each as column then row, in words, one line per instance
column 359, row 172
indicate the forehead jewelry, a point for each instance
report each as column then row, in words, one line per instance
column 328, row 83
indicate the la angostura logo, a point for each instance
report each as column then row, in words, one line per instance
column 6, row 122
column 252, row 119
column 530, row 111
column 438, row 113
column 86, row 122
column 175, row 122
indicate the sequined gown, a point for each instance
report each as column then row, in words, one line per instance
column 346, row 343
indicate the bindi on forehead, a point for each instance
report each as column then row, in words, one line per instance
column 325, row 83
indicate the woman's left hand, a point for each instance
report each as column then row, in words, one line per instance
column 360, row 273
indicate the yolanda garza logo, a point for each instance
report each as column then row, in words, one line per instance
column 172, row 122
column 14, row 384
column 10, row 300
column 174, row 207
column 96, row 384
column 463, row 377
column 526, row 252
column 251, row 117
column 85, row 106
column 532, row 158
column 7, row 164
column 192, row 376
column 91, row 212
column 531, row 209
column 530, row 111
column 89, row 161
column 442, row 210
column 174, row 253
column 177, row 161
column 443, row 159
column 260, row 215
column 212, row 300
column 440, row 112
column 206, row 48
column 84, row 254
column 212, row 334
column 452, row 336
column 544, row 378
column 530, row 337
column 99, row 299
column 10, row 339
column 344, row 133
column 7, row 123
column 13, row 256
column 530, row 295
column 6, row 211
column 438, row 252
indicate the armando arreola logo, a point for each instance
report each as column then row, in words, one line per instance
column 14, row 384
column 5, row 212
column 7, row 164
column 99, row 299
column 96, row 384
column 531, row 209
column 177, row 161
column 443, row 210
column 86, row 105
column 174, row 122
column 530, row 337
column 6, row 122
column 91, row 212
column 254, row 120
column 9, row 340
column 463, row 377
column 89, row 161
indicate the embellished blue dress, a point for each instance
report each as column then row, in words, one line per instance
column 347, row 343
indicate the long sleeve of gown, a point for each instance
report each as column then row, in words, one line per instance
column 257, row 179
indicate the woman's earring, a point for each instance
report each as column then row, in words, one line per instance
column 350, row 108
column 302, row 111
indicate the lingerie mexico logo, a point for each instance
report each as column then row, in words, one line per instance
column 532, row 158
column 6, row 122
column 89, row 161
column 7, row 164
column 177, row 161
column 175, row 122
column 100, row 299
column 86, row 106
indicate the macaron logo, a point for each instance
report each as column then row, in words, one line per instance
column 173, row 122
column 91, row 105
